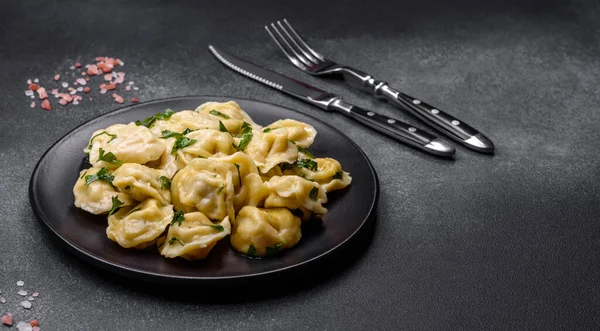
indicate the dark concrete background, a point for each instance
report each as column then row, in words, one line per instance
column 504, row 242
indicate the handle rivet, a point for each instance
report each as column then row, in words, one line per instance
column 391, row 121
column 416, row 102
column 411, row 129
column 435, row 111
column 370, row 113
column 455, row 122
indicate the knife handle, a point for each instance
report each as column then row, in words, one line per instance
column 395, row 128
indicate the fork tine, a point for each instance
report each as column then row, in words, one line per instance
column 295, row 42
column 283, row 49
column 285, row 40
column 319, row 56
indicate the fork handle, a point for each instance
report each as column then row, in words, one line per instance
column 395, row 128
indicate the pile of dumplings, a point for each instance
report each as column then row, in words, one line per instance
column 182, row 181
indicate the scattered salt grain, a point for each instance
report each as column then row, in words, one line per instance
column 127, row 88
column 54, row 91
column 73, row 92
column 26, row 304
column 7, row 319
column 32, row 97
column 57, row 77
column 20, row 283
column 34, row 323
column 28, row 93
column 72, row 67
column 80, row 89
column 121, row 63
column 83, row 73
column 42, row 93
column 46, row 105
column 22, row 293
column 35, row 294
column 108, row 77
column 29, row 81
column 2, row 300
column 31, row 298
column 75, row 102
column 32, row 105
column 130, row 82
column 81, row 81
column 35, row 328
column 24, row 326
column 64, row 84
column 135, row 88
column 77, row 65
column 36, row 80
column 118, row 98
column 102, row 91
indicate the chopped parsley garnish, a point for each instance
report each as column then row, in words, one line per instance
column 112, row 136
column 314, row 193
column 297, row 212
column 252, row 251
column 220, row 189
column 305, row 151
column 338, row 175
column 116, row 204
column 182, row 142
column 149, row 121
column 170, row 134
column 218, row 113
column 246, row 127
column 293, row 142
column 218, row 227
column 175, row 239
column 222, row 127
column 178, row 218
column 246, row 137
column 201, row 157
column 103, row 175
column 165, row 182
column 269, row 129
column 308, row 164
column 83, row 175
column 286, row 166
column 108, row 157
column 275, row 249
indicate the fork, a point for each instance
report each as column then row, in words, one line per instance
column 308, row 60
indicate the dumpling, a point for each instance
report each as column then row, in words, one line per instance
column 294, row 192
column 193, row 237
column 328, row 174
column 269, row 149
column 185, row 119
column 128, row 144
column 168, row 161
column 96, row 197
column 207, row 143
column 259, row 232
column 299, row 132
column 139, row 226
column 229, row 113
column 140, row 182
column 249, row 189
column 204, row 185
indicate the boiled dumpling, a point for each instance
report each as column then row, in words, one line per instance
column 141, row 225
column 204, row 185
column 293, row 192
column 207, row 143
column 258, row 232
column 328, row 174
column 229, row 113
column 128, row 144
column 193, row 236
column 299, row 132
column 140, row 182
column 97, row 196
column 267, row 150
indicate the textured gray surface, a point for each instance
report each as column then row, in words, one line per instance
column 509, row 241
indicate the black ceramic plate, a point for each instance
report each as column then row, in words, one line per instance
column 51, row 198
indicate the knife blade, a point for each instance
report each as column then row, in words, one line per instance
column 391, row 127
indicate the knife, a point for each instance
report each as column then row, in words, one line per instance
column 391, row 127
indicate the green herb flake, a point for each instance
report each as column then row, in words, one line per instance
column 293, row 142
column 252, row 251
column 218, row 227
column 220, row 189
column 308, row 164
column 108, row 157
column 338, row 175
column 218, row 113
column 149, row 121
column 178, row 218
column 165, row 182
column 222, row 127
column 246, row 127
column 238, row 171
column 286, row 166
column 201, row 157
column 103, row 175
column 170, row 134
column 83, row 175
column 182, row 142
column 314, row 193
column 112, row 137
column 269, row 129
column 275, row 249
column 246, row 137
column 297, row 212
column 116, row 204
column 305, row 151
column 175, row 239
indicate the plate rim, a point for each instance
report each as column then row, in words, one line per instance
column 154, row 276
